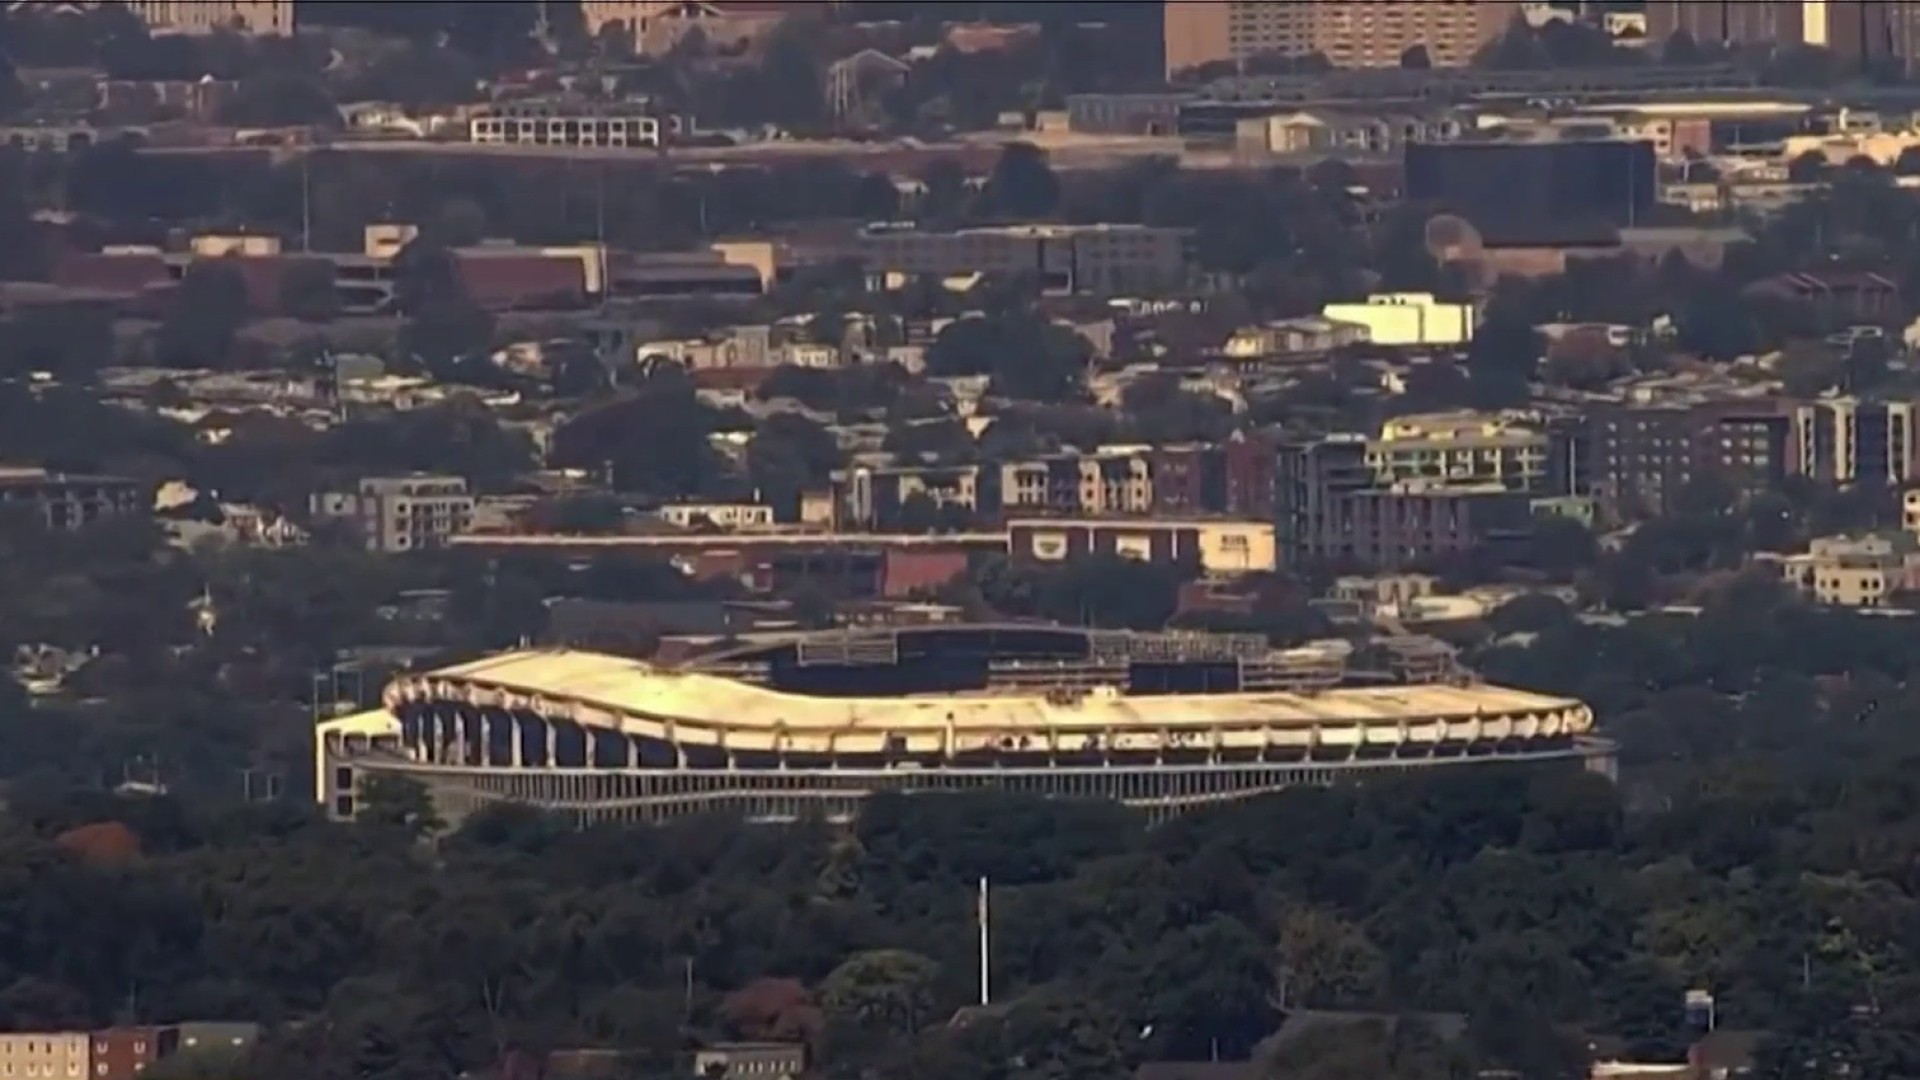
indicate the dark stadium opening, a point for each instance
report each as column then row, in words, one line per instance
column 910, row 675
column 610, row 749
column 570, row 746
column 1148, row 679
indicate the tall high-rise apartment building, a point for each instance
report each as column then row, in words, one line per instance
column 1367, row 33
column 1858, row 30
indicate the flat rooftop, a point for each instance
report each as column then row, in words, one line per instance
column 622, row 689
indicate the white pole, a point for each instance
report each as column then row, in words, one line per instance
column 986, row 983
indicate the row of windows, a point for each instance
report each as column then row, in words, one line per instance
column 73, row 1068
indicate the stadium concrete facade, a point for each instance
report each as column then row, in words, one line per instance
column 790, row 725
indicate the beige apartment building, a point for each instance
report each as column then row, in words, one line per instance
column 1349, row 33
column 657, row 25
column 43, row 1055
column 273, row 18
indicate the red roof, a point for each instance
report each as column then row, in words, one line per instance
column 112, row 273
column 498, row 282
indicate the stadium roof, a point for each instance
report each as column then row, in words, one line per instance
column 617, row 693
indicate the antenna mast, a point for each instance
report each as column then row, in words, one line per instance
column 986, row 961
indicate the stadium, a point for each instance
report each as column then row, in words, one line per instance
column 779, row 726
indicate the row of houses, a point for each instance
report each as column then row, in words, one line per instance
column 117, row 1053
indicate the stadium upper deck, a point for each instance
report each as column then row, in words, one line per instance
column 781, row 726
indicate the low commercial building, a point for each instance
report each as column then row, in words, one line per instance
column 398, row 514
column 1103, row 482
column 1331, row 131
column 730, row 517
column 64, row 501
column 1110, row 259
column 124, row 1053
column 1408, row 319
column 750, row 1061
column 1233, row 478
column 874, row 497
column 1870, row 571
column 1310, row 335
column 563, row 124
column 117, row 1053
column 1215, row 547
column 1150, row 113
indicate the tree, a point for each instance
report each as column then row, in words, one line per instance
column 1026, row 356
column 585, row 515
column 280, row 98
column 1560, row 546
column 1646, row 1007
column 72, row 341
column 308, row 292
column 1415, row 58
column 1062, row 1036
column 1404, row 1048
column 12, row 93
column 790, row 455
column 1808, row 168
column 22, row 250
column 1504, row 354
column 425, row 276
column 1809, row 368
column 790, row 79
column 444, row 326
column 1518, row 49
column 1207, row 991
column 653, row 438
column 614, row 41
column 1022, row 185
column 1324, row 962
column 396, row 802
column 1680, row 48
column 205, row 312
column 885, row 989
column 944, row 200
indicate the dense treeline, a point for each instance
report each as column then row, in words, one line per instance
column 1527, row 901
column 1761, row 847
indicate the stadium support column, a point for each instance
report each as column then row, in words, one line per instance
column 473, row 737
column 553, row 743
column 455, row 735
column 516, row 740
